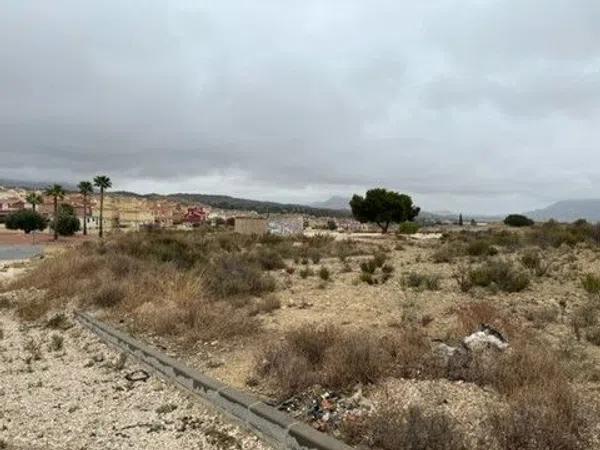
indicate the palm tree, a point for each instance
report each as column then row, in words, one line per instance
column 85, row 188
column 34, row 199
column 103, row 182
column 57, row 192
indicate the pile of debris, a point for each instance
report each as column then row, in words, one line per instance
column 485, row 343
column 327, row 410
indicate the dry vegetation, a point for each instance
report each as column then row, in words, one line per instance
column 315, row 311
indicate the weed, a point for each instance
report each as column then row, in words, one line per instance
column 324, row 273
column 421, row 281
column 501, row 274
column 368, row 278
column 368, row 267
column 306, row 272
column 58, row 322
column 591, row 284
column 34, row 349
column 56, row 343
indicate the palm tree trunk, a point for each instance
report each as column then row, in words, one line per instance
column 101, row 209
column 85, row 215
column 55, row 218
column 33, row 206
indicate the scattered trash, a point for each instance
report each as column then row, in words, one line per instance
column 137, row 375
column 326, row 410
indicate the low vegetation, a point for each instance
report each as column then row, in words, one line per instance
column 205, row 285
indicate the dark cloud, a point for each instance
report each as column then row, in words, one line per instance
column 478, row 105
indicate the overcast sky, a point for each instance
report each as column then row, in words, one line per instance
column 472, row 105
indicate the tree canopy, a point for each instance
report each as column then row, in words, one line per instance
column 383, row 207
column 518, row 220
column 26, row 220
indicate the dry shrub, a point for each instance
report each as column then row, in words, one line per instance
column 592, row 335
column 591, row 284
column 30, row 309
column 196, row 319
column 108, row 296
column 542, row 315
column 470, row 316
column 337, row 359
column 265, row 305
column 269, row 259
column 421, row 281
column 501, row 274
column 324, row 273
column 481, row 247
column 235, row 275
column 394, row 427
column 446, row 253
column 541, row 418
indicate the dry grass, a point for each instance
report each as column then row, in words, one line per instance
column 394, row 427
column 231, row 275
column 499, row 274
column 421, row 281
column 338, row 359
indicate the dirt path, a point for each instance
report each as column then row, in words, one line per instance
column 71, row 392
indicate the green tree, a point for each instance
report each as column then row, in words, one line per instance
column 66, row 223
column 26, row 220
column 460, row 220
column 34, row 199
column 85, row 189
column 103, row 182
column 383, row 207
column 57, row 192
column 518, row 220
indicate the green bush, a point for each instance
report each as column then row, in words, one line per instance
column 368, row 267
column 408, row 228
column 481, row 247
column 518, row 220
column 26, row 220
column 66, row 225
column 324, row 273
column 501, row 274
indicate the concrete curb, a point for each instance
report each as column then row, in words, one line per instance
column 273, row 425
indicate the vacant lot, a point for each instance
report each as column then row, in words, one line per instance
column 366, row 339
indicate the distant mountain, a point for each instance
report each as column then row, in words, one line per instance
column 227, row 202
column 569, row 211
column 335, row 202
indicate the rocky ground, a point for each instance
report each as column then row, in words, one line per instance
column 61, row 388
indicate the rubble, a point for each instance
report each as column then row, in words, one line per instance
column 484, row 338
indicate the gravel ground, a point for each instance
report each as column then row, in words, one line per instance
column 74, row 395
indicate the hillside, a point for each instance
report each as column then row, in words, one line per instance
column 335, row 202
column 261, row 207
column 569, row 211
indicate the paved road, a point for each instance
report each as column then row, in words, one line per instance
column 9, row 252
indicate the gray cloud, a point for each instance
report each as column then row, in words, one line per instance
column 480, row 105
